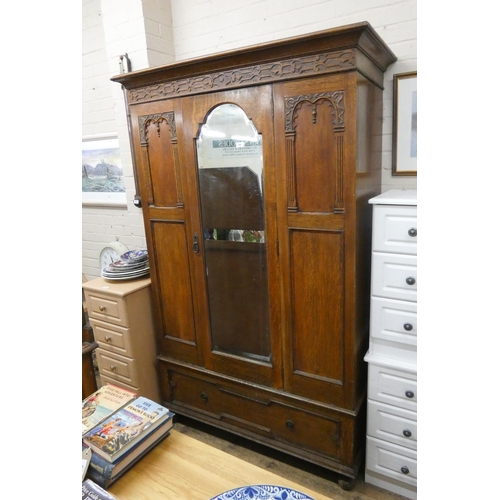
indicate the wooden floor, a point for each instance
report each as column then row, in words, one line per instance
column 198, row 462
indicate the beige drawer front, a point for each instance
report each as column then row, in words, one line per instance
column 394, row 276
column 117, row 367
column 107, row 308
column 393, row 387
column 396, row 462
column 395, row 230
column 109, row 380
column 112, row 337
column 392, row 424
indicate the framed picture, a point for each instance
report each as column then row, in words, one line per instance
column 102, row 172
column 404, row 132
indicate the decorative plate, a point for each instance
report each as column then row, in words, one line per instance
column 119, row 265
column 125, row 275
column 135, row 255
column 262, row 492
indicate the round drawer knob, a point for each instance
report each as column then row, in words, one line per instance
column 408, row 327
column 102, row 308
column 204, row 397
column 290, row 425
column 107, row 339
column 407, row 433
column 410, row 280
column 409, row 394
column 112, row 368
column 405, row 470
column 412, row 232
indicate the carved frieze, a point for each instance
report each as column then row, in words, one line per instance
column 316, row 64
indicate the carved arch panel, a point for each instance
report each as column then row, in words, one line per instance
column 158, row 137
column 314, row 126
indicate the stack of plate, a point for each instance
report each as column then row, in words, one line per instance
column 133, row 264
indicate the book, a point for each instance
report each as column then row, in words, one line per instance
column 102, row 403
column 105, row 473
column 92, row 491
column 86, row 455
column 125, row 428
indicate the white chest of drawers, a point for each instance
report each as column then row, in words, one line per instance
column 391, row 444
column 121, row 317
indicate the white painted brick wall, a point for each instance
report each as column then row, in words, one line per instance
column 159, row 32
column 143, row 30
column 149, row 31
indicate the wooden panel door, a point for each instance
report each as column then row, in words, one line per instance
column 231, row 188
column 161, row 183
column 315, row 124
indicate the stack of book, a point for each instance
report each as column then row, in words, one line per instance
column 125, row 427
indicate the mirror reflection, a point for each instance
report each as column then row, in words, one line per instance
column 230, row 172
column 230, row 149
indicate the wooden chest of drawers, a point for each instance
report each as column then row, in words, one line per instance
column 121, row 316
column 391, row 444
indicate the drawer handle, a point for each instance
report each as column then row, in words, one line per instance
column 412, row 232
column 290, row 425
column 204, row 397
column 407, row 433
column 107, row 339
column 405, row 470
column 112, row 368
column 102, row 308
column 410, row 280
column 408, row 327
column 409, row 394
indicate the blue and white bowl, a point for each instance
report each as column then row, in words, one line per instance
column 262, row 492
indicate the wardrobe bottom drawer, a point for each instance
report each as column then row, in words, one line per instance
column 391, row 460
column 269, row 417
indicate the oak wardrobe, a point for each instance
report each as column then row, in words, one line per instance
column 254, row 169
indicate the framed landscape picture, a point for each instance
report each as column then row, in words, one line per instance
column 404, row 132
column 102, row 172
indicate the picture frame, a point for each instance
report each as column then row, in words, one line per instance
column 404, row 131
column 102, row 172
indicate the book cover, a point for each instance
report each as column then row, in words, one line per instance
column 102, row 403
column 125, row 428
column 110, row 470
column 92, row 491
